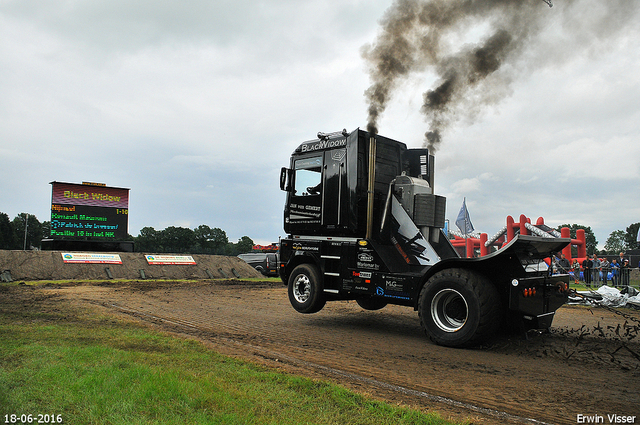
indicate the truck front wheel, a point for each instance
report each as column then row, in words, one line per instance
column 305, row 289
column 459, row 308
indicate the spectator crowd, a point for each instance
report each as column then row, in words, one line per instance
column 594, row 271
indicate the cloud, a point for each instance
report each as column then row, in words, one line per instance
column 471, row 185
column 195, row 106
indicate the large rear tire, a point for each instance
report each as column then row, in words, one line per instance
column 306, row 289
column 459, row 308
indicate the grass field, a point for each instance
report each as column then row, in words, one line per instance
column 77, row 367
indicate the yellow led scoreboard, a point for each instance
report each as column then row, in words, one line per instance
column 89, row 211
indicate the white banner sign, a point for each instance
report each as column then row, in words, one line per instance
column 170, row 259
column 90, row 258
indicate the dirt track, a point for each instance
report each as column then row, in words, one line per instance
column 591, row 370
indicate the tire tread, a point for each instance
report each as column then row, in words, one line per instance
column 488, row 300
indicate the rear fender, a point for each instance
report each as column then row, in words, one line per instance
column 513, row 261
column 510, row 260
column 295, row 261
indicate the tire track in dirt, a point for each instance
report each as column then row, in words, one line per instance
column 198, row 327
column 387, row 346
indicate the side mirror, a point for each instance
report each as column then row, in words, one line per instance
column 285, row 179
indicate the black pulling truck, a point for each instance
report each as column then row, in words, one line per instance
column 364, row 224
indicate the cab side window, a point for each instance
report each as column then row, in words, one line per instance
column 308, row 177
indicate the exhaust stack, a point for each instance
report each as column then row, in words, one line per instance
column 371, row 185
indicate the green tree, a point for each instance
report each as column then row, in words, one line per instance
column 177, row 239
column 210, row 241
column 615, row 242
column 244, row 245
column 147, row 240
column 219, row 239
column 590, row 239
column 33, row 236
column 7, row 235
column 631, row 237
column 46, row 229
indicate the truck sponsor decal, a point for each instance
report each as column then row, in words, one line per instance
column 392, row 294
column 296, row 221
column 392, row 285
column 295, row 214
column 369, row 266
column 305, row 207
column 300, row 247
column 304, row 214
column 365, row 257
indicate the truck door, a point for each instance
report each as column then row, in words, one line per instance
column 304, row 210
column 334, row 180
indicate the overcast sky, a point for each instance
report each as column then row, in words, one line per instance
column 195, row 106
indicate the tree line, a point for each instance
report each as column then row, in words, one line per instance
column 201, row 240
column 25, row 231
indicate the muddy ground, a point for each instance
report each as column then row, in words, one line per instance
column 587, row 365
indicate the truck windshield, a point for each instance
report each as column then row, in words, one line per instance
column 308, row 176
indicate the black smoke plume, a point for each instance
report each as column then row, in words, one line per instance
column 416, row 36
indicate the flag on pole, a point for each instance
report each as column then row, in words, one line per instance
column 463, row 221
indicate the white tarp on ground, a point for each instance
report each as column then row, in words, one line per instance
column 608, row 296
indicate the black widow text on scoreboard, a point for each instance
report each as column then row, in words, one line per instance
column 89, row 211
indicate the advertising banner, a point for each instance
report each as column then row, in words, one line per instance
column 170, row 260
column 90, row 258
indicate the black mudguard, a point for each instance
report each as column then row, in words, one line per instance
column 532, row 294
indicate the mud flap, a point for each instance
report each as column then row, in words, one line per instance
column 542, row 321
